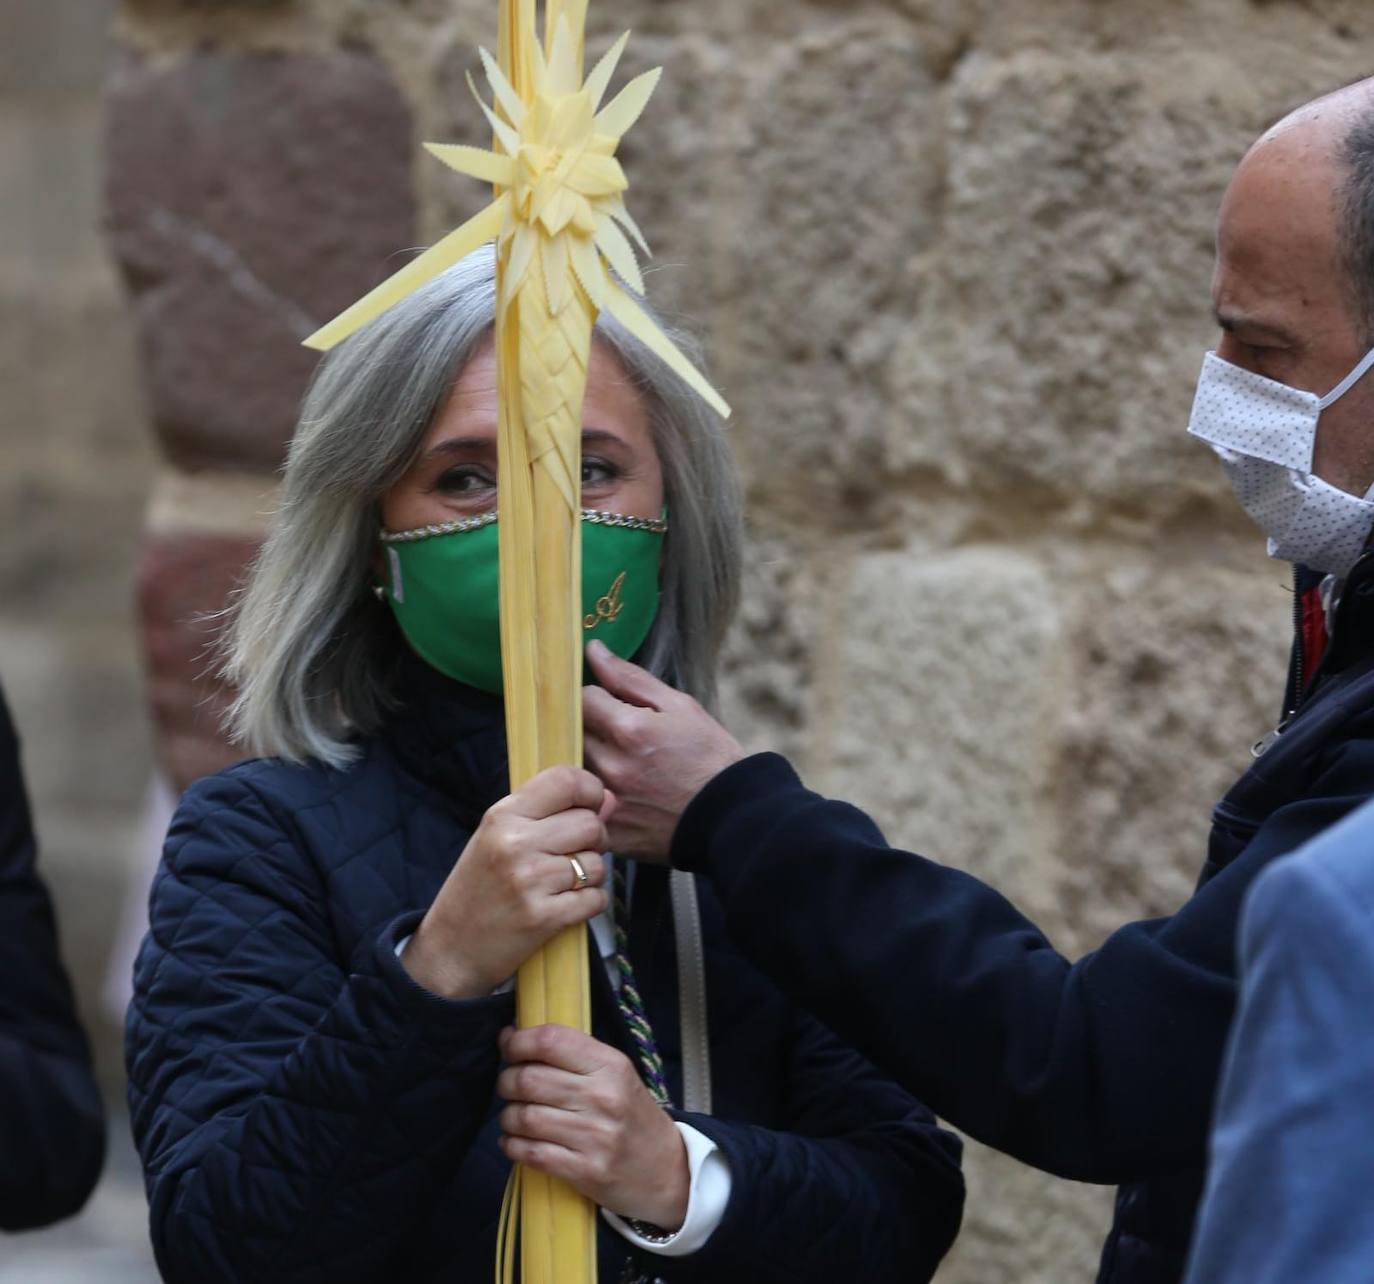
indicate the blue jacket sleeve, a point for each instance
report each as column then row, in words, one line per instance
column 1101, row 1070
column 287, row 1103
column 858, row 1181
column 1292, row 1146
column 52, row 1129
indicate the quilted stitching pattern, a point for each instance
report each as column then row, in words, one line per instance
column 278, row 1052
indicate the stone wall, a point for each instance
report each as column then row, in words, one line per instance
column 951, row 258
column 75, row 462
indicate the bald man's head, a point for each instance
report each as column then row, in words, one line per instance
column 1328, row 143
column 1331, row 115
column 1294, row 283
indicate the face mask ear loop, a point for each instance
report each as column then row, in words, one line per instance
column 1349, row 381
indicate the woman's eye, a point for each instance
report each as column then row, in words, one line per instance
column 463, row 481
column 597, row 472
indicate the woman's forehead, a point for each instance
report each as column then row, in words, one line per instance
column 613, row 405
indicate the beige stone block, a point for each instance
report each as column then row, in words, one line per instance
column 945, row 28
column 68, row 564
column 767, row 664
column 1060, row 326
column 939, row 698
column 733, row 20
column 683, row 161
column 77, row 698
column 1025, row 1227
column 70, row 372
column 52, row 47
column 843, row 168
column 1176, row 672
column 1293, row 51
column 50, row 189
column 74, row 455
column 1064, row 738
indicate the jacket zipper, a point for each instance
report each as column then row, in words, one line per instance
column 1299, row 653
column 1295, row 678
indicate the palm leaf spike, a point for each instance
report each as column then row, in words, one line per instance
column 573, row 218
column 566, row 249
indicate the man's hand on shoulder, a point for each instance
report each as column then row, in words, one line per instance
column 653, row 747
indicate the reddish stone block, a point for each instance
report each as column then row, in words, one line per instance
column 184, row 582
column 250, row 198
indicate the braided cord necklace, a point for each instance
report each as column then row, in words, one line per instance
column 628, row 998
column 631, row 1006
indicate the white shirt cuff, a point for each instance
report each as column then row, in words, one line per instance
column 707, row 1199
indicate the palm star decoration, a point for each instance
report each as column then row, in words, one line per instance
column 560, row 201
column 565, row 251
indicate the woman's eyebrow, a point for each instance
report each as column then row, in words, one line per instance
column 459, row 446
column 599, row 436
column 487, row 445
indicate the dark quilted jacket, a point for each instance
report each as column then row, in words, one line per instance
column 306, row 1112
column 1101, row 1070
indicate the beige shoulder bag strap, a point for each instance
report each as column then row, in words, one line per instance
column 691, row 989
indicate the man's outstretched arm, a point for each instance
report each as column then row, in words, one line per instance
column 1101, row 1070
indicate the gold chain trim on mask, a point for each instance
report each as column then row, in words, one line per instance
column 597, row 518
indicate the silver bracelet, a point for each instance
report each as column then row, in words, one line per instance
column 648, row 1231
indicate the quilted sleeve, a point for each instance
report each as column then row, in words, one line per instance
column 295, row 1113
column 858, row 1182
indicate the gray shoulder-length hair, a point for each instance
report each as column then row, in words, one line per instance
column 310, row 649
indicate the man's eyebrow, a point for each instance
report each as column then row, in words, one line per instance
column 1233, row 321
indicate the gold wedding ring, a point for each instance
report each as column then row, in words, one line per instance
column 580, row 875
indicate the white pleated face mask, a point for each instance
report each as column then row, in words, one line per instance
column 1264, row 433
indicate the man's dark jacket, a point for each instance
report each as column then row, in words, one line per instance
column 307, row 1113
column 1102, row 1070
column 52, row 1126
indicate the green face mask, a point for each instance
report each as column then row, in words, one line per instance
column 443, row 585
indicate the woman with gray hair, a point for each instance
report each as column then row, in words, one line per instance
column 323, row 1080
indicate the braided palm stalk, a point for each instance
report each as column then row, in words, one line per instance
column 562, row 229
